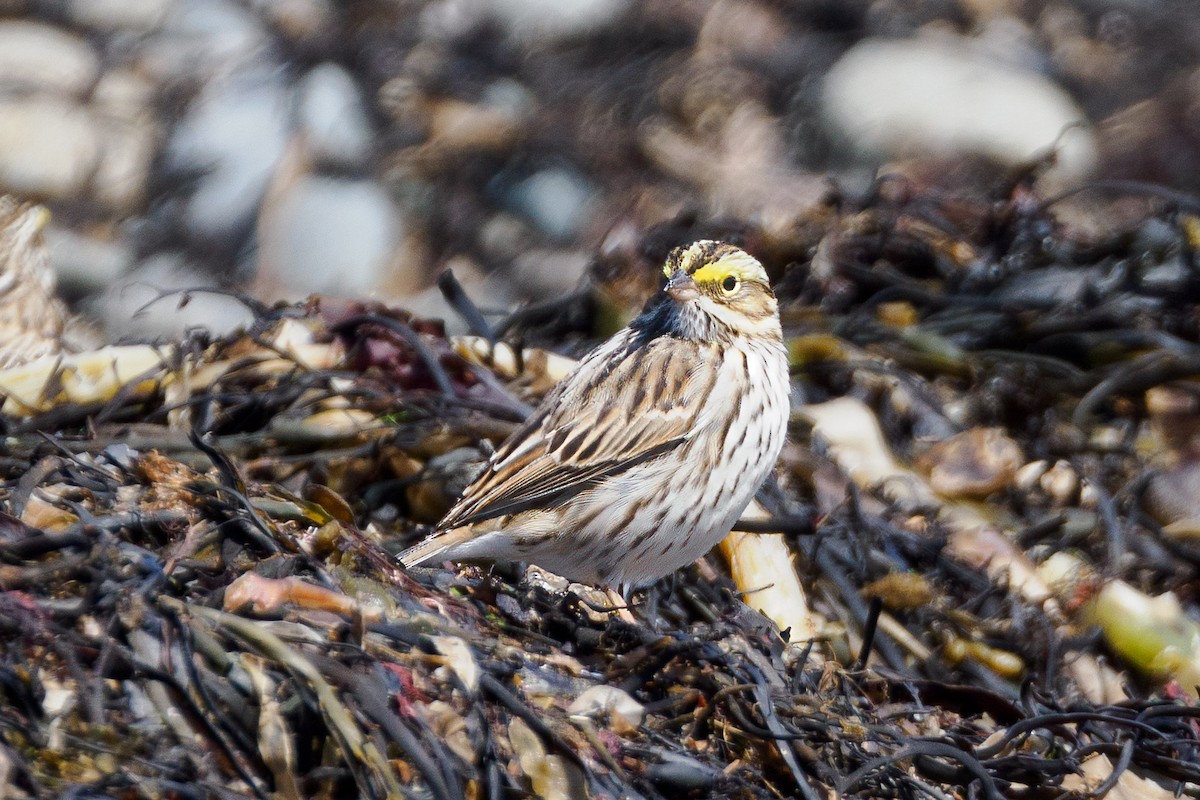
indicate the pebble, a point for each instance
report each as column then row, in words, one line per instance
column 893, row 98
column 85, row 264
column 511, row 98
column 233, row 135
column 504, row 236
column 532, row 22
column 119, row 15
column 1061, row 483
column 328, row 236
column 1048, row 285
column 556, row 200
column 37, row 57
column 124, row 93
column 119, row 182
column 333, row 117
column 204, row 39
column 301, row 21
column 972, row 464
column 130, row 135
column 130, row 308
column 675, row 772
column 613, row 706
column 48, row 147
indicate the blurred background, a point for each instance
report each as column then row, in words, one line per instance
column 358, row 148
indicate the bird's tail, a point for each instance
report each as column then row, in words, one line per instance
column 441, row 543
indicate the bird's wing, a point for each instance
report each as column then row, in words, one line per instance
column 626, row 403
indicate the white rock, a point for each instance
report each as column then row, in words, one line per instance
column 926, row 96
column 84, row 264
column 48, row 146
column 328, row 236
column 222, row 25
column 124, row 93
column 234, row 134
column 557, row 201
column 202, row 38
column 548, row 21
column 137, row 307
column 137, row 16
column 127, row 151
column 503, row 237
column 129, row 134
column 615, row 706
column 511, row 98
column 40, row 57
column 333, row 117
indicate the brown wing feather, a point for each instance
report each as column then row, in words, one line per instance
column 607, row 416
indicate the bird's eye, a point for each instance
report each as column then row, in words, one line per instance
column 729, row 284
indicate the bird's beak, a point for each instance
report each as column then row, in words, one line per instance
column 681, row 287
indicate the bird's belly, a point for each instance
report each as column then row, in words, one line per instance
column 662, row 515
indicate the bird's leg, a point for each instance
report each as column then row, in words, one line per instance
column 650, row 609
column 650, row 605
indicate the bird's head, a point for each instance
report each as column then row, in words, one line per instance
column 720, row 290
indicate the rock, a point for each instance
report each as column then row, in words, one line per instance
column 300, row 21
column 120, row 178
column 616, row 708
column 510, row 98
column 1048, row 285
column 202, row 38
column 894, row 98
column 558, row 201
column 1061, row 484
column 543, row 274
column 503, row 237
column 48, row 146
column 328, row 236
column 547, row 21
column 129, row 134
column 85, row 264
column 234, row 134
column 333, row 117
column 132, row 308
column 137, row 16
column 124, row 93
column 972, row 464
column 37, row 57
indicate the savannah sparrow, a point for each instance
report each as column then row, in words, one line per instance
column 644, row 456
column 31, row 316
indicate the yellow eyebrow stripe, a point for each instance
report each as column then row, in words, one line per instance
column 738, row 264
column 709, row 263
